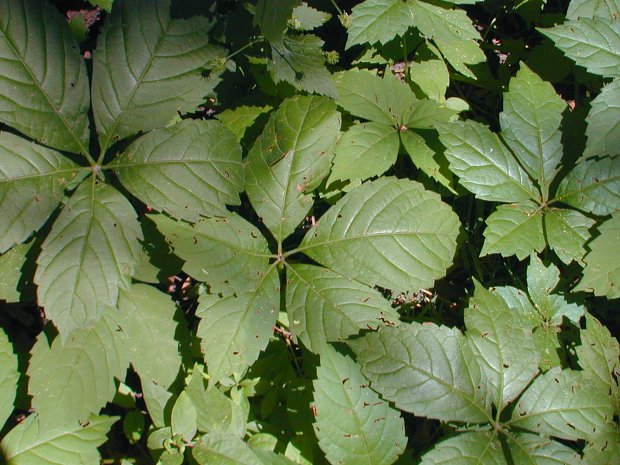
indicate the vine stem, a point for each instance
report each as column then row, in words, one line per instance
column 336, row 7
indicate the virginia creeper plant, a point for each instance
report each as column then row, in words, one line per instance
column 370, row 232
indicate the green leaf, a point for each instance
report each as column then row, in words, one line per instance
column 465, row 56
column 382, row 100
column 88, row 255
column 365, row 150
column 563, row 403
column 32, row 183
column 591, row 8
column 157, row 262
column 603, row 131
column 514, row 229
column 239, row 119
column 224, row 449
column 324, row 306
column 289, row 160
column 216, row 412
column 29, row 443
column 388, row 232
column 49, row 107
column 375, row 21
column 567, row 232
column 299, row 60
column 503, row 345
column 601, row 274
column 605, row 451
column 432, row 77
column 183, row 417
column 591, row 43
column 470, row 448
column 187, row 170
column 72, row 379
column 141, row 81
column 483, row 164
column 599, row 356
column 531, row 126
column 157, row 399
column 235, row 329
column 15, row 271
column 8, row 377
column 156, row 333
column 228, row 253
column 353, row 425
column 439, row 22
column 535, row 449
column 306, row 18
column 272, row 17
column 133, row 426
column 445, row 383
column 426, row 114
column 593, row 186
column 431, row 163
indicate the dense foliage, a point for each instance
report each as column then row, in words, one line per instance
column 369, row 232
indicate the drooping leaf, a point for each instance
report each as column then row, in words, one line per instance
column 225, row 252
column 483, row 164
column 514, row 229
column 601, row 274
column 592, row 8
column 567, row 232
column 50, row 107
column 431, row 163
column 140, row 80
column 156, row 333
column 388, row 232
column 365, row 150
column 535, row 449
column 190, row 169
column 183, row 417
column 470, row 448
column 603, row 131
column 593, row 186
column 382, row 100
column 88, row 255
column 445, row 383
column 465, row 56
column 299, row 60
column 324, row 306
column 438, row 22
column 504, row 346
column 599, row 356
column 565, row 404
column 8, row 377
column 30, row 443
column 289, row 160
column 157, row 398
column 272, row 17
column 380, row 21
column 72, row 379
column 531, row 125
column 235, row 329
column 239, row 119
column 591, row 43
column 541, row 280
column 431, row 76
column 32, row 183
column 353, row 425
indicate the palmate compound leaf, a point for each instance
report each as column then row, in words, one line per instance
column 470, row 448
column 567, row 232
column 353, row 425
column 388, row 232
column 565, row 404
column 375, row 21
column 530, row 125
column 427, row 370
column 235, row 329
column 49, row 106
column 156, row 333
column 504, row 345
column 324, row 306
column 88, row 255
column 533, row 449
column 190, row 169
column 72, row 379
column 141, row 81
column 483, row 163
column 31, row 443
column 603, row 131
column 591, row 43
column 32, row 184
column 593, row 186
column 8, row 377
column 229, row 253
column 601, row 274
column 289, row 160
